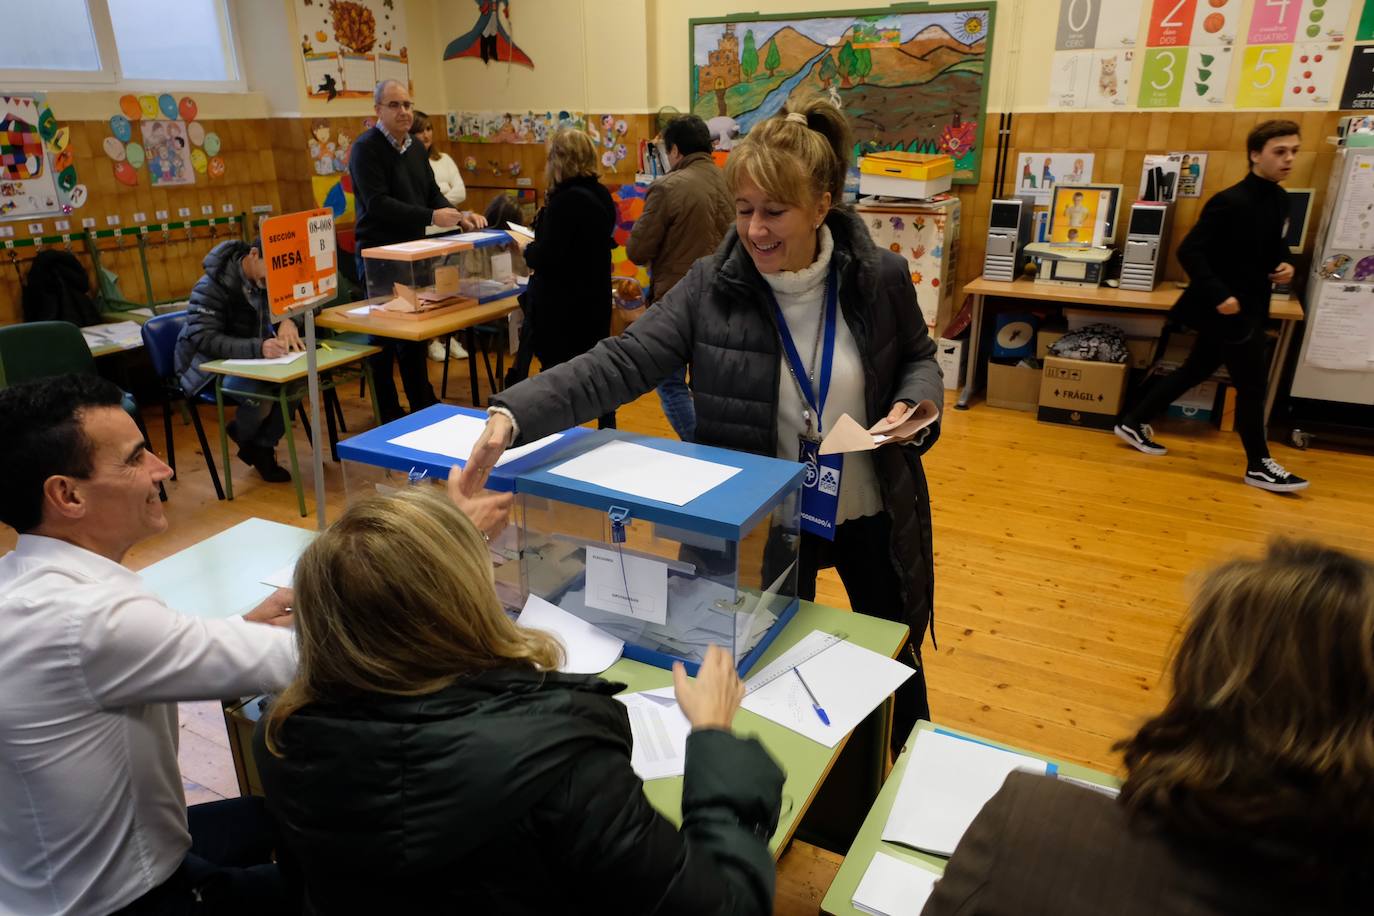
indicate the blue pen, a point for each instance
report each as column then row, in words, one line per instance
column 815, row 704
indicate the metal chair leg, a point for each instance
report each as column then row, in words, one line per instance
column 338, row 408
column 443, row 383
column 330, row 427
column 205, row 447
column 291, row 447
column 224, row 439
column 167, row 431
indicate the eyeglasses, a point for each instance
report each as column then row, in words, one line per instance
column 400, row 106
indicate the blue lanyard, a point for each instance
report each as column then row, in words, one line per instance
column 816, row 401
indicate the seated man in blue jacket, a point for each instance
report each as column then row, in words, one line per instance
column 228, row 318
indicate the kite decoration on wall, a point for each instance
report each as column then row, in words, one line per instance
column 489, row 39
column 37, row 174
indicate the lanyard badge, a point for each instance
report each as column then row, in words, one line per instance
column 821, row 484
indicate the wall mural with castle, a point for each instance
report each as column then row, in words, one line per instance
column 915, row 80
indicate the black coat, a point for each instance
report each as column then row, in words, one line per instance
column 226, row 318
column 395, row 193
column 719, row 320
column 1231, row 250
column 568, row 301
column 512, row 793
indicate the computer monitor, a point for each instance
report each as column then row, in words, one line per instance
column 1084, row 214
column 1299, row 212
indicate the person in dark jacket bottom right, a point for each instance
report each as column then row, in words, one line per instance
column 1251, row 793
column 429, row 758
column 1232, row 255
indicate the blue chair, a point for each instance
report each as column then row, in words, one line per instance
column 160, row 340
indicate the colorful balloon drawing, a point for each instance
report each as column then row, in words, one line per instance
column 134, row 154
column 167, row 105
column 78, row 196
column 59, row 140
column 122, row 129
column 148, row 105
column 199, row 160
column 113, row 148
column 216, row 167
column 129, row 105
column 212, row 144
column 196, row 131
column 125, row 174
column 188, row 108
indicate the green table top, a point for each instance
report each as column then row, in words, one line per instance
column 329, row 355
column 220, row 577
column 869, row 841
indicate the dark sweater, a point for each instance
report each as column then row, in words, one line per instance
column 395, row 194
column 1234, row 246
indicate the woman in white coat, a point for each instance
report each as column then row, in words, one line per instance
column 450, row 182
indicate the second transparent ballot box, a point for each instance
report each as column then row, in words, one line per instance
column 667, row 545
column 420, row 449
column 492, row 268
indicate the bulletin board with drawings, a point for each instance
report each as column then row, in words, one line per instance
column 1202, row 54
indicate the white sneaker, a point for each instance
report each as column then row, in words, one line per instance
column 455, row 349
column 436, row 351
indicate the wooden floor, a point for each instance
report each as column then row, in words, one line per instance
column 1062, row 557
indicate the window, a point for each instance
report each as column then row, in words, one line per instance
column 54, row 35
column 176, row 40
column 130, row 43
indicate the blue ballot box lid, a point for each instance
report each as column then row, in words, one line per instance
column 375, row 448
column 729, row 510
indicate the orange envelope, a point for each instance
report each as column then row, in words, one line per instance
column 848, row 436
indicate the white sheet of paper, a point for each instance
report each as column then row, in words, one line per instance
column 849, row 682
column 1340, row 334
column 946, row 784
column 274, row 361
column 646, row 579
column 360, row 310
column 523, row 230
column 123, row 334
column 456, row 435
column 586, row 650
column 894, row 887
column 501, row 266
column 281, row 578
column 421, row 245
column 638, row 470
column 659, row 734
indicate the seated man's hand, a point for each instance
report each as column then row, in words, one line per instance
column 273, row 348
column 275, row 610
column 447, row 217
column 289, row 336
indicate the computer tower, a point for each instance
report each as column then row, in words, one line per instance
column 1147, row 234
column 1009, row 230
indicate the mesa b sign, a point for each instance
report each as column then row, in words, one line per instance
column 298, row 250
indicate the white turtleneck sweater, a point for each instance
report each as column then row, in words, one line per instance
column 801, row 296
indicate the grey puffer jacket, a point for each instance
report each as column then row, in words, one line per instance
column 719, row 321
column 225, row 319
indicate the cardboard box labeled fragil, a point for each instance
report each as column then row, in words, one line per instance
column 1081, row 393
column 951, row 355
column 1013, row 387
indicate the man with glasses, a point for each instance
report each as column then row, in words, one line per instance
column 397, row 198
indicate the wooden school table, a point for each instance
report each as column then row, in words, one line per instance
column 379, row 324
column 333, row 354
column 869, row 841
column 1160, row 300
column 220, row 576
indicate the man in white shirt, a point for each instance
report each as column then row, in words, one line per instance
column 93, row 818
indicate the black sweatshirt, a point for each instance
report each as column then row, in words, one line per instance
column 395, row 194
column 1236, row 243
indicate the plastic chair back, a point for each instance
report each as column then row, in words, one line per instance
column 160, row 335
column 39, row 349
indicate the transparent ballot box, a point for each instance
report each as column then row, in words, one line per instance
column 492, row 268
column 420, row 449
column 667, row 545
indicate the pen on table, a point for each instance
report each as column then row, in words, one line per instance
column 325, row 345
column 815, row 704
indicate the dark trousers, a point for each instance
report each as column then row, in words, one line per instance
column 862, row 554
column 410, row 355
column 229, row 868
column 1244, row 360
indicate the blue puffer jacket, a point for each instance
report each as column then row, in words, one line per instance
column 226, row 318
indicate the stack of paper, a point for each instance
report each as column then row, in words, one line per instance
column 659, row 733
column 455, row 436
column 122, row 334
column 848, row 681
column 638, row 470
column 267, row 361
column 586, row 649
column 947, row 782
column 894, row 887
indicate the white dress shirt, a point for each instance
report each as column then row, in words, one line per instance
column 92, row 812
column 801, row 297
